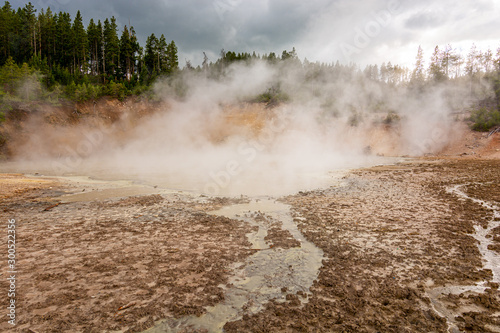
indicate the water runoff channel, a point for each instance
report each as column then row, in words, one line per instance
column 263, row 275
column 490, row 260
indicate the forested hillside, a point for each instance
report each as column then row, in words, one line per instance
column 49, row 56
column 67, row 52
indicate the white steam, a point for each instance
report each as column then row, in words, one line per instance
column 212, row 141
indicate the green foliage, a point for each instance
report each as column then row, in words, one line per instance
column 139, row 89
column 436, row 69
column 19, row 82
column 70, row 90
column 54, row 94
column 418, row 75
column 160, row 59
column 80, row 45
column 111, row 46
column 65, row 57
column 273, row 95
column 484, row 119
column 116, row 90
column 83, row 92
column 2, row 117
column 81, row 60
column 10, row 74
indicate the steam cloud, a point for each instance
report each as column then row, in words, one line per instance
column 211, row 141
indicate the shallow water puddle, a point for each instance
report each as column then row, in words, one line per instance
column 99, row 190
column 263, row 275
column 491, row 260
column 106, row 194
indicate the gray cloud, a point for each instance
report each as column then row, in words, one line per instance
column 316, row 28
column 426, row 19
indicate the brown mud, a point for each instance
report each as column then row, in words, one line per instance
column 390, row 235
column 116, row 264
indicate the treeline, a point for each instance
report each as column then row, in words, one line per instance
column 52, row 55
column 475, row 77
column 66, row 52
column 444, row 64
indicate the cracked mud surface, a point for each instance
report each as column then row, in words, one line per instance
column 115, row 264
column 390, row 235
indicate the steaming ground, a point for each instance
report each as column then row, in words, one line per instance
column 211, row 141
column 234, row 150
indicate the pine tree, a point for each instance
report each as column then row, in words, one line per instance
column 30, row 17
column 418, row 75
column 436, row 71
column 204, row 64
column 6, row 30
column 99, row 47
column 24, row 34
column 391, row 75
column 128, row 48
column 65, row 51
column 136, row 48
column 487, row 61
column 383, row 72
column 456, row 62
column 173, row 60
column 471, row 66
column 161, row 53
column 447, row 57
column 150, row 55
column 375, row 72
column 111, row 46
column 79, row 44
column 271, row 58
column 47, row 38
column 63, row 40
column 497, row 61
column 10, row 74
column 94, row 39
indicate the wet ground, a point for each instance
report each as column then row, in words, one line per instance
column 406, row 248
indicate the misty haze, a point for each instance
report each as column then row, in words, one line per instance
column 339, row 175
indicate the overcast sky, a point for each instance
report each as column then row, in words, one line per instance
column 364, row 31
